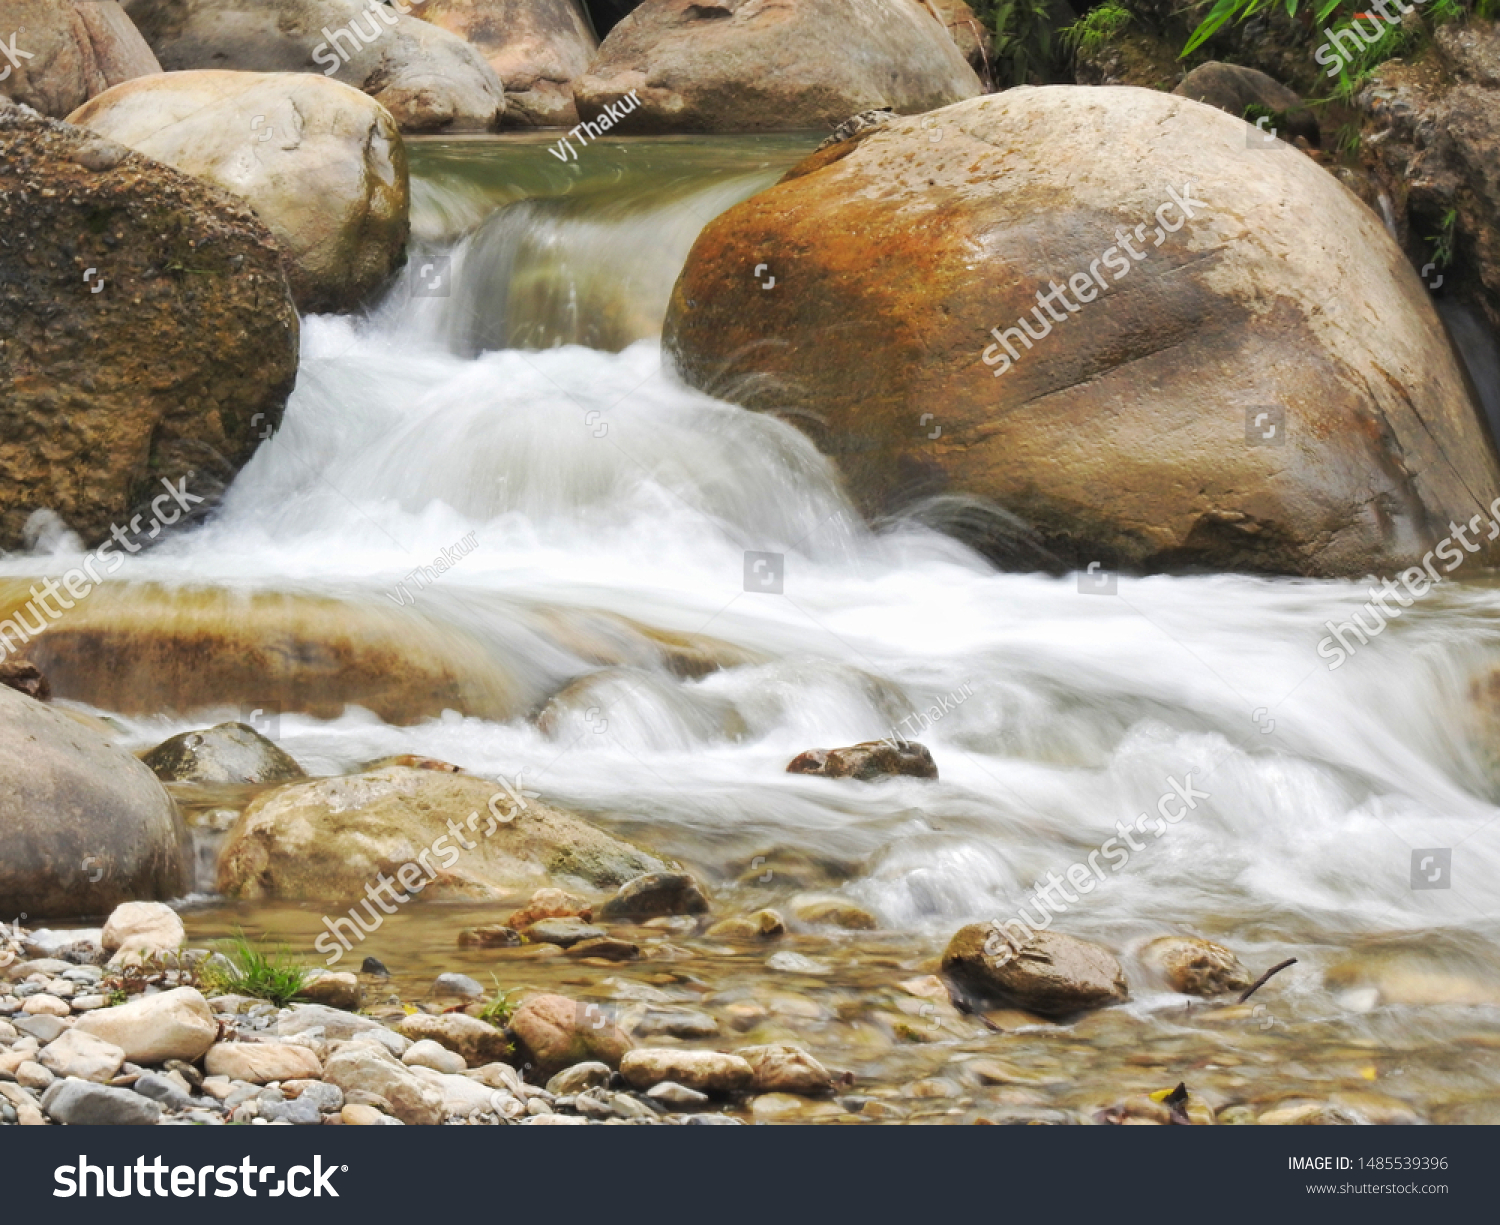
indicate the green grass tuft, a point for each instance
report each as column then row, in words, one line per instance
column 254, row 974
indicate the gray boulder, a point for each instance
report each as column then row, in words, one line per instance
column 82, row 1103
column 228, row 753
column 84, row 826
column 67, row 51
column 744, row 65
column 430, row 80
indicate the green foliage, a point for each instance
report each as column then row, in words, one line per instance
column 1259, row 110
column 254, row 974
column 1022, row 40
column 1348, row 139
column 1096, row 27
column 498, row 1011
column 1225, row 11
column 1317, row 13
column 1444, row 240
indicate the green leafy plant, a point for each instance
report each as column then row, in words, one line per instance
column 252, row 973
column 1095, row 28
column 1348, row 140
column 1445, row 240
column 1225, row 11
column 499, row 1009
column 1023, row 40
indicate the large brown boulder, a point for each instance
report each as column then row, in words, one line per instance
column 747, row 65
column 83, row 825
column 146, row 332
column 142, row 649
column 1263, row 384
column 536, row 47
column 326, row 840
column 429, row 79
column 321, row 163
column 67, row 51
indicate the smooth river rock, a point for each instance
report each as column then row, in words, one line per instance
column 260, row 1063
column 1193, row 966
column 324, row 840
column 868, row 761
column 140, row 649
column 711, row 1072
column 149, row 310
column 429, row 79
column 321, row 164
column 80, row 1103
column 474, row 1041
column 1266, row 386
column 536, row 47
column 1052, row 975
column 83, row 825
column 750, row 65
column 143, row 927
column 553, row 1032
column 228, row 753
column 74, row 49
column 363, row 1067
column 175, row 1024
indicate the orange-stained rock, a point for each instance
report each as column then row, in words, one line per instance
column 1267, row 387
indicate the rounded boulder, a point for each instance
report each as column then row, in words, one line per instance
column 84, row 826
column 1110, row 315
column 321, row 163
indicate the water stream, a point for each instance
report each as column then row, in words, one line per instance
column 523, row 400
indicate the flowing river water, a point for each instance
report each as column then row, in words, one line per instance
column 512, row 389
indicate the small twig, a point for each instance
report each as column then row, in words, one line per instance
column 1265, row 978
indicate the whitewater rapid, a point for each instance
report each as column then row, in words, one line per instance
column 592, row 479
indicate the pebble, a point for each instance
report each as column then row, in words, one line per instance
column 564, row 932
column 80, row 1102
column 428, row 1054
column 43, row 1027
column 33, row 1076
column 161, row 1089
column 457, row 984
column 578, row 1078
column 795, row 963
column 675, row 1023
column 673, row 1094
column 711, row 1072
column 46, row 1005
